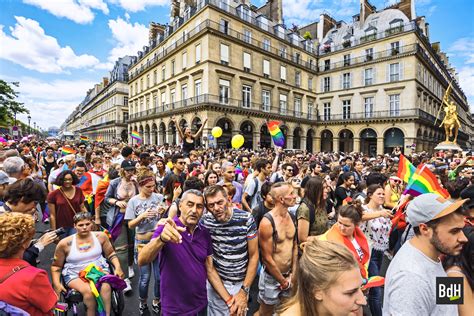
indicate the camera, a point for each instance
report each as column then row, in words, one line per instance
column 59, row 231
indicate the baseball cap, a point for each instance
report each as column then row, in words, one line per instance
column 4, row 178
column 430, row 206
column 128, row 165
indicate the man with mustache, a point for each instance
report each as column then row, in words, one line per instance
column 185, row 256
column 235, row 244
column 410, row 282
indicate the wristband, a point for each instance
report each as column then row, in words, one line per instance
column 162, row 240
column 228, row 301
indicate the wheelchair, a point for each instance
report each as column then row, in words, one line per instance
column 73, row 300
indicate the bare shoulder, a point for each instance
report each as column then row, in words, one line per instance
column 65, row 243
column 101, row 236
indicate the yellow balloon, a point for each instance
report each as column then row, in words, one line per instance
column 216, row 132
column 237, row 141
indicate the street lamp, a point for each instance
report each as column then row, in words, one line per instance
column 34, row 124
column 29, row 126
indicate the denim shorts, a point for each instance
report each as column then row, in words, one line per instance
column 269, row 291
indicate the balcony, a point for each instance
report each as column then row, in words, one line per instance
column 388, row 114
column 411, row 26
column 408, row 49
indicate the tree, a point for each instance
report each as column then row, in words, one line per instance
column 307, row 35
column 9, row 107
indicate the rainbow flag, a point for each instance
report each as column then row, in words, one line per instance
column 405, row 169
column 424, row 181
column 373, row 281
column 99, row 138
column 238, row 170
column 136, row 136
column 67, row 151
column 276, row 133
column 84, row 138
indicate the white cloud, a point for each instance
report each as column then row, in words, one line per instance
column 464, row 47
column 50, row 102
column 130, row 38
column 31, row 48
column 139, row 5
column 79, row 11
column 466, row 78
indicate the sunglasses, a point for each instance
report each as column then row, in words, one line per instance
column 291, row 170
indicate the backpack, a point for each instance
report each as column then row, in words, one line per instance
column 275, row 232
column 249, row 197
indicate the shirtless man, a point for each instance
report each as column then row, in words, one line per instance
column 278, row 248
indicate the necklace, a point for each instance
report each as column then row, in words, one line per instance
column 84, row 247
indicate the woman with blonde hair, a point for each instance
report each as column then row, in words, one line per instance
column 22, row 285
column 328, row 282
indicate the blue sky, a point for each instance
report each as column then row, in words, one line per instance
column 58, row 49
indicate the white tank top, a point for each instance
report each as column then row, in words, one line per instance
column 76, row 257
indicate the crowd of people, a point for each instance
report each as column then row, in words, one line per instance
column 295, row 232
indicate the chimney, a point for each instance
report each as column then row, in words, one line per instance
column 105, row 82
column 365, row 10
column 325, row 24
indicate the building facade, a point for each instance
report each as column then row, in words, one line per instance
column 369, row 85
column 103, row 114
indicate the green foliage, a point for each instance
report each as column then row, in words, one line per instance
column 307, row 35
column 8, row 104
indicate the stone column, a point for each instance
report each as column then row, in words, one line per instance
column 256, row 140
column 289, row 141
column 316, row 144
column 303, row 143
column 335, row 144
column 380, row 145
column 356, row 144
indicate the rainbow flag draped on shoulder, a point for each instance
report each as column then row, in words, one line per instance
column 405, row 169
column 424, row 181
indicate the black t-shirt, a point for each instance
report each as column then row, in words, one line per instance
column 341, row 194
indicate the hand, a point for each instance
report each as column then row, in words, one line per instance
column 59, row 288
column 177, row 192
column 171, row 232
column 240, row 303
column 386, row 214
column 47, row 239
column 121, row 204
column 149, row 213
column 287, row 284
column 118, row 272
column 97, row 221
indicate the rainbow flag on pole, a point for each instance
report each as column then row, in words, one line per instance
column 424, row 181
column 84, row 138
column 99, row 138
column 136, row 136
column 405, row 169
column 276, row 133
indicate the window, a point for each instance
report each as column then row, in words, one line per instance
column 283, row 73
column 141, row 84
column 346, row 81
column 224, row 26
column 247, row 36
column 327, row 111
column 246, row 96
column 247, row 62
column 172, row 97
column 197, row 88
column 310, row 110
column 266, row 44
column 395, row 47
column 298, row 79
column 184, row 60
column 224, row 91
column 266, row 68
column 394, row 102
column 155, row 77
column 368, row 76
column 326, row 84
column 283, row 105
column 297, row 107
column 163, row 73
column 327, row 64
column 394, row 72
column 184, row 92
column 369, row 54
column 346, row 109
column 224, row 54
column 347, row 60
column 297, row 57
column 310, row 83
column 198, row 53
column 369, row 107
column 163, row 99
column 266, row 100
column 173, row 67
column 283, row 51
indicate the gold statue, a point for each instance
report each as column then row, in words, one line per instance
column 451, row 122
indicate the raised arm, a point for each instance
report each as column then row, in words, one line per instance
column 180, row 131
column 199, row 132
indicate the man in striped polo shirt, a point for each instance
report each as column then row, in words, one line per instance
column 235, row 251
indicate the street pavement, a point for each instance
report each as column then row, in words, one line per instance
column 131, row 299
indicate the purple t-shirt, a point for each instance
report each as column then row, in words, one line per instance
column 183, row 271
